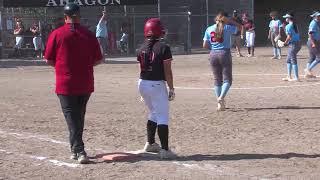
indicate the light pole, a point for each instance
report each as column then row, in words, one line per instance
column 189, row 33
column 159, row 8
column 207, row 10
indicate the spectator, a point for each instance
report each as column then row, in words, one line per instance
column 37, row 40
column 18, row 32
column 102, row 32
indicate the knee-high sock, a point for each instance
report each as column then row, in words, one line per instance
column 295, row 71
column 278, row 52
column 308, row 65
column 163, row 132
column 313, row 64
column 275, row 52
column 151, row 131
column 225, row 88
column 217, row 90
column 289, row 69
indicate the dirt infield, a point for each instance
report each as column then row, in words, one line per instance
column 269, row 131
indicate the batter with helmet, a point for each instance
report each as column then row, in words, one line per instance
column 73, row 51
column 218, row 38
column 155, row 73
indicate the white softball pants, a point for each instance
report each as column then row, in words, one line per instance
column 19, row 41
column 250, row 36
column 155, row 96
column 37, row 42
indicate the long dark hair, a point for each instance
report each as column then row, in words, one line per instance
column 221, row 21
column 295, row 27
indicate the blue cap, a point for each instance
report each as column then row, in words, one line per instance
column 287, row 16
column 315, row 14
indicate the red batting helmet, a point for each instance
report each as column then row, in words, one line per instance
column 153, row 28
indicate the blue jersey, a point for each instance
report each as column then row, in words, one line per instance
column 225, row 42
column 102, row 30
column 295, row 37
column 314, row 29
column 275, row 26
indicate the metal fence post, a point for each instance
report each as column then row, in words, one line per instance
column 189, row 33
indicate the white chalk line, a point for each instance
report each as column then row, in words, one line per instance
column 42, row 158
column 250, row 88
column 209, row 168
column 30, row 136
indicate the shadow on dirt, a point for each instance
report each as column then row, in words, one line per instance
column 132, row 158
column 120, row 62
column 236, row 157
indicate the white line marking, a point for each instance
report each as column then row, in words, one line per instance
column 46, row 159
column 250, row 88
column 29, row 136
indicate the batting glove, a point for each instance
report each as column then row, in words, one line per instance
column 172, row 95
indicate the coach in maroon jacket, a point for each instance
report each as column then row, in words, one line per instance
column 73, row 50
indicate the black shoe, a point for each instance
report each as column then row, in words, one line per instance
column 83, row 158
column 74, row 156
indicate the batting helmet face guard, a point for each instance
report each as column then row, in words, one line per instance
column 153, row 28
column 72, row 9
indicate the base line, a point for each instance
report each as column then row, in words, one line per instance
column 250, row 88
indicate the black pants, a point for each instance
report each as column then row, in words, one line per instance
column 74, row 110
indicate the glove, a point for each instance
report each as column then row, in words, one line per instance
column 280, row 43
column 172, row 95
column 277, row 38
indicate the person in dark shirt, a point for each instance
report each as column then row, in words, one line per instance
column 37, row 40
column 18, row 32
column 249, row 27
column 155, row 64
column 239, row 35
column 73, row 51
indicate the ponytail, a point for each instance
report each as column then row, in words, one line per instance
column 221, row 21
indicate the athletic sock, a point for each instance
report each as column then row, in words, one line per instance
column 252, row 49
column 217, row 90
column 295, row 71
column 275, row 52
column 313, row 64
column 225, row 89
column 163, row 132
column 278, row 52
column 151, row 131
column 308, row 65
column 289, row 69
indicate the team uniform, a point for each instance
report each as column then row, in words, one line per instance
column 73, row 51
column 275, row 29
column 152, row 57
column 220, row 60
column 37, row 40
column 314, row 31
column 102, row 34
column 294, row 48
column 18, row 32
column 250, row 36
column 237, row 37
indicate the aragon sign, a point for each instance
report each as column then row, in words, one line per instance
column 59, row 3
column 83, row 2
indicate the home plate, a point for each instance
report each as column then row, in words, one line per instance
column 123, row 156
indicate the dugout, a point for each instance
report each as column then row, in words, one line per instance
column 126, row 15
column 301, row 8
